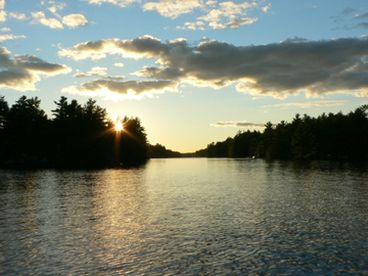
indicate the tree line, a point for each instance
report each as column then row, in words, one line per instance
column 77, row 136
column 160, row 151
column 326, row 137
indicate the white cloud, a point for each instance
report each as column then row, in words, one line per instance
column 198, row 25
column 95, row 71
column 17, row 16
column 2, row 11
column 5, row 29
column 55, row 8
column 6, row 37
column 75, row 20
column 23, row 72
column 72, row 21
column 215, row 14
column 266, row 8
column 222, row 15
column 119, row 64
column 121, row 3
column 13, row 15
column 173, row 8
column 40, row 17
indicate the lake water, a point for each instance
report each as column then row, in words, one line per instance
column 186, row 216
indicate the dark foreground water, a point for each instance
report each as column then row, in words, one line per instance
column 186, row 216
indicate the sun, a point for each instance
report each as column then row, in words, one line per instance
column 118, row 126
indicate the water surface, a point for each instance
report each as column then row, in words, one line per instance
column 186, row 216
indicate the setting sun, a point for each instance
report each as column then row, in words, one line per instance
column 118, row 126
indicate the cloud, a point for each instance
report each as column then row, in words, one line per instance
column 266, row 8
column 228, row 15
column 5, row 29
column 277, row 70
column 75, row 20
column 239, row 124
column 145, row 46
column 115, row 87
column 6, row 37
column 222, row 15
column 322, row 103
column 17, row 15
column 119, row 64
column 348, row 17
column 72, row 21
column 23, row 72
column 57, row 21
column 2, row 11
column 363, row 25
column 94, row 72
column 173, row 8
column 362, row 16
column 13, row 15
column 54, row 7
column 121, row 3
column 215, row 14
column 40, row 17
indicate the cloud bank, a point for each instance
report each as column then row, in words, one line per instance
column 279, row 70
column 23, row 72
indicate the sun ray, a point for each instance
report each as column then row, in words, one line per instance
column 119, row 126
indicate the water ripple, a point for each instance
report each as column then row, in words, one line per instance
column 187, row 217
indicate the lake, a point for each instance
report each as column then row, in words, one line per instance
column 186, row 216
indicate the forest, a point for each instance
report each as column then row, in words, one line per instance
column 77, row 136
column 326, row 137
column 83, row 136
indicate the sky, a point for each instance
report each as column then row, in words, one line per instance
column 193, row 71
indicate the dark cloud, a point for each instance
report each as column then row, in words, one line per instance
column 363, row 25
column 279, row 69
column 348, row 11
column 23, row 72
column 118, row 86
column 362, row 16
column 348, row 17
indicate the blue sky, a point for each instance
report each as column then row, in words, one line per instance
column 194, row 71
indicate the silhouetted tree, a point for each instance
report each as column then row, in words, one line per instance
column 26, row 132
column 4, row 110
column 133, row 142
column 77, row 136
column 332, row 136
column 160, row 151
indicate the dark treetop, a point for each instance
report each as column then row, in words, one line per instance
column 76, row 137
column 327, row 137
